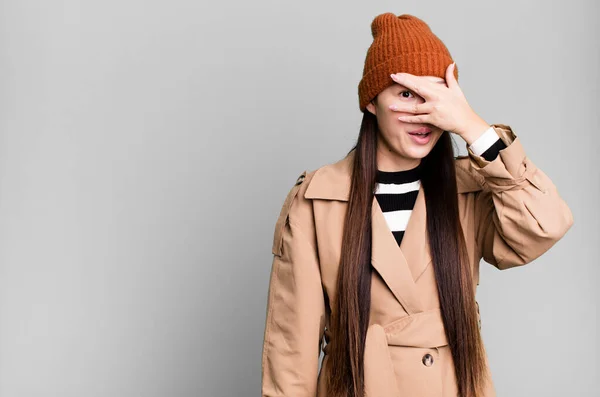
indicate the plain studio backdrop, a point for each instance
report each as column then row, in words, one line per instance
column 146, row 148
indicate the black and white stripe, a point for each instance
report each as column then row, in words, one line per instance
column 396, row 192
column 488, row 145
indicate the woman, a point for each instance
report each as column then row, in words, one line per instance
column 379, row 252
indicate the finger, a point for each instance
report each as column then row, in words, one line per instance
column 422, row 118
column 415, row 108
column 422, row 87
column 450, row 79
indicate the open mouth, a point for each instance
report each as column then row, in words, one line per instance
column 420, row 133
column 421, row 137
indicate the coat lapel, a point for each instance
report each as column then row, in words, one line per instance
column 399, row 266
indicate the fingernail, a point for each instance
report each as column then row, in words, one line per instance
column 393, row 76
column 393, row 107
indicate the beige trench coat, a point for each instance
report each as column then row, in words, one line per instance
column 511, row 213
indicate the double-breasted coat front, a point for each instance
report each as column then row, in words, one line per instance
column 510, row 212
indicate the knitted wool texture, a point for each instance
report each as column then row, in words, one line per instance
column 401, row 43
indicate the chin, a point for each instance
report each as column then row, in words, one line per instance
column 419, row 153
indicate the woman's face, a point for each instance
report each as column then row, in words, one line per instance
column 397, row 148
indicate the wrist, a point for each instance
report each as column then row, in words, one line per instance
column 474, row 129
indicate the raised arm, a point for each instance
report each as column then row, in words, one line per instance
column 519, row 214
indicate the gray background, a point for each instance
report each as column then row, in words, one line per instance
column 146, row 148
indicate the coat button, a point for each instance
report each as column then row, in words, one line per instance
column 428, row 360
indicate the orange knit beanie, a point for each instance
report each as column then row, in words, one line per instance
column 401, row 43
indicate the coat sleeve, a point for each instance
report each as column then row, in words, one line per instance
column 519, row 214
column 295, row 317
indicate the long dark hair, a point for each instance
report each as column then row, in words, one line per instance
column 350, row 311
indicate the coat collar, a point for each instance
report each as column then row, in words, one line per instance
column 399, row 266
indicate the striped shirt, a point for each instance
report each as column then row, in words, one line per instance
column 396, row 191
